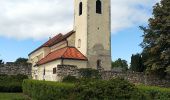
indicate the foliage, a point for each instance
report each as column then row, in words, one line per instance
column 137, row 63
column 13, row 96
column 120, row 63
column 70, row 79
column 156, row 42
column 21, row 61
column 115, row 89
column 46, row 90
column 155, row 93
column 89, row 73
column 1, row 62
column 93, row 89
column 11, row 83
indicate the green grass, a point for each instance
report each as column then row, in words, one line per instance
column 155, row 93
column 144, row 88
column 13, row 96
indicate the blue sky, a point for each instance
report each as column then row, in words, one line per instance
column 124, row 44
column 25, row 25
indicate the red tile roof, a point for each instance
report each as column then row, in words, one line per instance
column 52, row 40
column 64, row 53
column 56, row 39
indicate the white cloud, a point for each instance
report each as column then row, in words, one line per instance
column 37, row 19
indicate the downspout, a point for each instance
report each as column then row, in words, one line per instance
column 62, row 61
column 67, row 42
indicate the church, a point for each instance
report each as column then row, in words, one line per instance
column 88, row 45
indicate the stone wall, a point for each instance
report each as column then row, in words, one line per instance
column 65, row 70
column 133, row 77
column 137, row 78
column 14, row 69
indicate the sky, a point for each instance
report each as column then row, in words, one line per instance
column 26, row 24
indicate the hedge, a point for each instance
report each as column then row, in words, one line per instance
column 11, row 83
column 86, row 89
column 155, row 93
column 46, row 90
column 70, row 79
column 93, row 89
column 114, row 89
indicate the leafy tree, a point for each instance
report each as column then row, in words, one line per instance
column 21, row 61
column 1, row 62
column 137, row 63
column 156, row 42
column 120, row 63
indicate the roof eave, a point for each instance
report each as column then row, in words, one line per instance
column 63, row 59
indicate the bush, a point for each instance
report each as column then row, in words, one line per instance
column 89, row 73
column 70, row 79
column 155, row 93
column 46, row 90
column 11, row 83
column 115, row 89
column 93, row 89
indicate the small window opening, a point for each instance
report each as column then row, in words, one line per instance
column 54, row 70
column 80, row 8
column 44, row 72
column 99, row 64
column 98, row 7
column 79, row 43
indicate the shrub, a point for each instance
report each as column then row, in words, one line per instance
column 155, row 93
column 89, row 73
column 46, row 90
column 11, row 83
column 70, row 79
column 93, row 89
column 115, row 89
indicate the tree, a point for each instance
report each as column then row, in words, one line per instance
column 1, row 62
column 119, row 63
column 137, row 63
column 21, row 61
column 156, row 42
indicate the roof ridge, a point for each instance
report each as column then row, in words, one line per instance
column 52, row 52
column 80, row 52
column 65, row 51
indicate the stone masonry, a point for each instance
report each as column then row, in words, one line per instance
column 14, row 69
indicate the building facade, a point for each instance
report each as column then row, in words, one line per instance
column 87, row 46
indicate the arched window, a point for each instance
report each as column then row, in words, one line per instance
column 98, row 7
column 79, row 43
column 99, row 64
column 80, row 8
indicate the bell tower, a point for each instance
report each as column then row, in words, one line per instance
column 93, row 31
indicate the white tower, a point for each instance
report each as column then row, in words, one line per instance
column 93, row 28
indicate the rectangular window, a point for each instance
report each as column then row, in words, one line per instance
column 44, row 72
column 54, row 70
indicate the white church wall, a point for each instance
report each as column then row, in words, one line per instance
column 78, row 63
column 80, row 26
column 94, row 31
column 49, row 76
column 58, row 46
column 71, row 40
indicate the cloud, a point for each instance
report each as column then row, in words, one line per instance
column 38, row 19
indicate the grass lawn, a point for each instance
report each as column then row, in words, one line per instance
column 13, row 96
